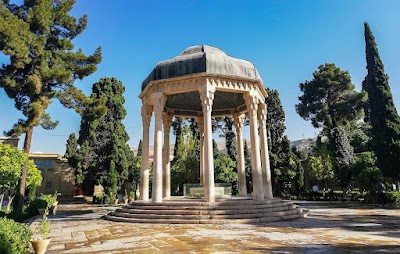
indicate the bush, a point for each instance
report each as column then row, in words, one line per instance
column 49, row 199
column 41, row 202
column 393, row 197
column 14, row 237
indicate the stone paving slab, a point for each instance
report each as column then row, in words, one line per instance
column 330, row 228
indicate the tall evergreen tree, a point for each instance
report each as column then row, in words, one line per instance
column 185, row 168
column 383, row 116
column 103, row 138
column 37, row 36
column 343, row 156
column 72, row 155
column 275, row 120
column 247, row 163
column 139, row 150
column 177, row 123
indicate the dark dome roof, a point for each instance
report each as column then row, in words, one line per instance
column 202, row 59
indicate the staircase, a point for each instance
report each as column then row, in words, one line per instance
column 193, row 211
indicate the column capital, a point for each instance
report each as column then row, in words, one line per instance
column 238, row 120
column 158, row 100
column 167, row 120
column 251, row 100
column 262, row 112
column 207, row 97
column 146, row 115
column 200, row 124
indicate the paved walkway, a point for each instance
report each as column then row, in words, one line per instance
column 330, row 228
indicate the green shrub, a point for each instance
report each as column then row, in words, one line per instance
column 44, row 201
column 14, row 237
column 49, row 199
column 393, row 197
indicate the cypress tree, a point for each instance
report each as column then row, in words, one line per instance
column 177, row 128
column 383, row 116
column 343, row 156
column 37, row 36
column 247, row 163
column 275, row 120
column 139, row 150
column 72, row 154
column 104, row 138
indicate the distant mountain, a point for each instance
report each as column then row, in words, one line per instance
column 304, row 145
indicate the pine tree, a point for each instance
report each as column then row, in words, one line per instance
column 103, row 138
column 329, row 99
column 383, row 115
column 37, row 36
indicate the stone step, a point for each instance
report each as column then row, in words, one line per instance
column 203, row 221
column 186, row 211
column 225, row 202
column 206, row 216
column 166, row 206
column 205, row 211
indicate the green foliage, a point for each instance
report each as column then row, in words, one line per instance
column 321, row 165
column 393, row 196
column 300, row 175
column 247, row 164
column 44, row 201
column 275, row 120
column 11, row 164
column 37, row 37
column 185, row 166
column 224, row 167
column 330, row 98
column 139, row 151
column 14, row 237
column 382, row 113
column 44, row 224
column 343, row 156
column 365, row 170
column 359, row 134
column 225, row 127
column 72, row 155
column 134, row 171
column 110, row 183
column 103, row 150
column 177, row 124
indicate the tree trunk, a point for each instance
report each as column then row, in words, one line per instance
column 22, row 184
column 2, row 199
column 10, row 200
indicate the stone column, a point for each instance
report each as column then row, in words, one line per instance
column 207, row 97
column 200, row 124
column 238, row 121
column 158, row 106
column 167, row 121
column 252, row 105
column 144, row 171
column 266, row 170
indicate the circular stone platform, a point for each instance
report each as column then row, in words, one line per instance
column 180, row 210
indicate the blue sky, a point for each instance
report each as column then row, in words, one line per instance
column 286, row 40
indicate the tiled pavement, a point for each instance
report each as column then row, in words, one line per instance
column 330, row 228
